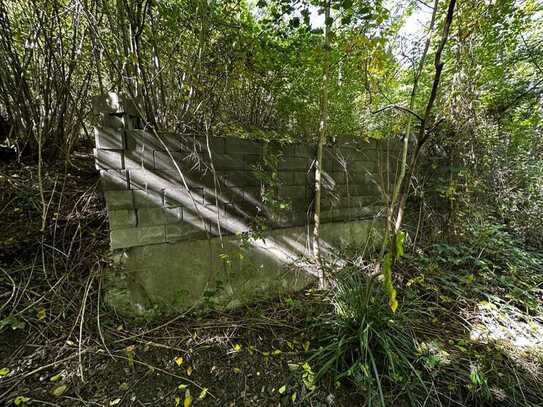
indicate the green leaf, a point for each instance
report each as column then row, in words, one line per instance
column 283, row 389
column 114, row 402
column 203, row 394
column 59, row 390
column 389, row 287
column 4, row 371
column 56, row 377
column 20, row 400
column 400, row 240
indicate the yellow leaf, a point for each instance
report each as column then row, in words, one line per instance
column 188, row 399
column 4, row 371
column 203, row 394
column 59, row 390
column 189, row 370
column 179, row 360
column 237, row 347
column 182, row 386
column 293, row 397
column 283, row 389
column 237, row 370
column 177, row 401
column 42, row 313
column 114, row 402
column 393, row 302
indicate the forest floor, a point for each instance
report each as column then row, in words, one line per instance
column 59, row 345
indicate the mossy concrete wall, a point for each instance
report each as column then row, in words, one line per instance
column 222, row 220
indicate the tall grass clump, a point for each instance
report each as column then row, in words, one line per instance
column 364, row 344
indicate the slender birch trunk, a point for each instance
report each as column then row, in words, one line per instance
column 391, row 226
column 323, row 128
column 423, row 132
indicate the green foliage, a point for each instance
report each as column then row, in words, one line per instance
column 364, row 343
column 496, row 261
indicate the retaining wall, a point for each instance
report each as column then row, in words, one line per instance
column 220, row 218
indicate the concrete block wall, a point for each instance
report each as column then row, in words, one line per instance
column 167, row 187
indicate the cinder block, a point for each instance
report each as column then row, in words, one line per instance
column 358, row 213
column 159, row 216
column 119, row 200
column 331, row 215
column 182, row 197
column 327, row 182
column 217, row 145
column 140, row 236
column 240, row 179
column 330, row 201
column 135, row 139
column 303, row 178
column 138, row 159
column 112, row 121
column 235, row 145
column 148, row 199
column 360, row 166
column 286, row 178
column 109, row 159
column 305, row 151
column 184, row 231
column 361, row 177
column 121, row 218
column 114, row 103
column 252, row 161
column 292, row 193
column 229, row 161
column 163, row 160
column 295, row 164
column 338, row 176
column 363, row 201
column 357, row 189
column 113, row 180
column 107, row 103
column 138, row 179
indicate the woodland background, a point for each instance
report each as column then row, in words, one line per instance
column 464, row 94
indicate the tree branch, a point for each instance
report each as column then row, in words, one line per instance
column 400, row 108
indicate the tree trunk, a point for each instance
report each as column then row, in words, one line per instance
column 323, row 127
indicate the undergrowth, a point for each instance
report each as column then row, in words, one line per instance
column 469, row 329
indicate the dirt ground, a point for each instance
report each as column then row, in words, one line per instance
column 59, row 345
